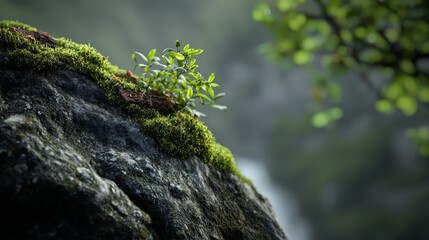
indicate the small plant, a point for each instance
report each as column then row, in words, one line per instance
column 175, row 74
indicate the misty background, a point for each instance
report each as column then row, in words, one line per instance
column 359, row 179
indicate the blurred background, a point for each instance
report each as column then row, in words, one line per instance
column 327, row 99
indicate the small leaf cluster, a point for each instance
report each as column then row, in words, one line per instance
column 175, row 74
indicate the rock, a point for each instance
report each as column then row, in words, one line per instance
column 75, row 166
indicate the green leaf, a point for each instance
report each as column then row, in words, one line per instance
column 407, row 104
column 394, row 90
column 151, row 54
column 302, row 57
column 186, row 47
column 195, row 52
column 171, row 60
column 182, row 78
column 196, row 113
column 201, row 95
column 261, row 12
column 320, row 119
column 211, row 78
column 210, row 91
column 384, row 106
column 296, row 21
column 177, row 55
column 219, row 96
column 133, row 56
column 323, row 119
column 310, row 43
column 284, row 5
column 189, row 93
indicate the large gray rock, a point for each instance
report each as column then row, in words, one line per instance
column 74, row 166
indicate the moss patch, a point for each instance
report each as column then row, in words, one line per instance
column 178, row 134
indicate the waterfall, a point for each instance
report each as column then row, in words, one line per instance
column 284, row 204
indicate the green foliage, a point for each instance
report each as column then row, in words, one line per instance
column 175, row 74
column 387, row 37
column 178, row 134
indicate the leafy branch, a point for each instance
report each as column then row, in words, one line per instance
column 355, row 35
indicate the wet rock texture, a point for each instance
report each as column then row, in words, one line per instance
column 74, row 166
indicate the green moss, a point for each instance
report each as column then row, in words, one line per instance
column 178, row 130
column 223, row 159
column 8, row 23
column 144, row 234
column 178, row 134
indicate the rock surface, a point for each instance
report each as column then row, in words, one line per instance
column 74, row 166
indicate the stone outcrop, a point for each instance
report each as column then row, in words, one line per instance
column 75, row 166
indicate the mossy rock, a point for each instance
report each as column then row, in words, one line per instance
column 179, row 134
